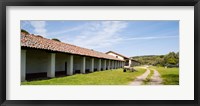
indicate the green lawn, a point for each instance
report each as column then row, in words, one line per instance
column 108, row 77
column 170, row 76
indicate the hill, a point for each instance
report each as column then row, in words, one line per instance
column 171, row 58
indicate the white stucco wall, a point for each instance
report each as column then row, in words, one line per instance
column 112, row 54
column 95, row 63
column 129, row 62
column 36, row 61
column 23, row 65
column 77, row 60
column 107, row 64
column 87, row 65
column 60, row 61
column 102, row 64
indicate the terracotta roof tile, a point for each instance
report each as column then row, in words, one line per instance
column 34, row 41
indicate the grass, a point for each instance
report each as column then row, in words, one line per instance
column 108, row 77
column 147, row 80
column 170, row 76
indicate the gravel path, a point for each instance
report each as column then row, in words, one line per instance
column 155, row 79
column 139, row 80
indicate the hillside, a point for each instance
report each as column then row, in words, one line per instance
column 171, row 58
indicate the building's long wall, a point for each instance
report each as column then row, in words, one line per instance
column 39, row 61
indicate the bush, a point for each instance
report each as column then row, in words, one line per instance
column 56, row 39
column 24, row 31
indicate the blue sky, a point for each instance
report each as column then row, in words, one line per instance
column 130, row 38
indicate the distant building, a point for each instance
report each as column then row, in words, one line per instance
column 133, row 62
column 117, row 55
column 128, row 61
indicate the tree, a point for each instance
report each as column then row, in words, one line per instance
column 171, row 61
column 171, row 58
column 159, row 60
column 55, row 39
column 177, row 57
column 24, row 31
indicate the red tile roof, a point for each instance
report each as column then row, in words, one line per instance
column 38, row 42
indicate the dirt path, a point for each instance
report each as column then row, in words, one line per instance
column 155, row 79
column 139, row 80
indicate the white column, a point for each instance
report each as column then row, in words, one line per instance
column 108, row 64
column 23, row 65
column 92, row 65
column 51, row 68
column 99, row 65
column 83, row 65
column 70, row 60
column 104, row 65
column 117, row 64
column 113, row 65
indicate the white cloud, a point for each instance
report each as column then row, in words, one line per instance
column 93, row 35
column 24, row 23
column 149, row 38
column 39, row 27
column 66, row 30
column 100, row 34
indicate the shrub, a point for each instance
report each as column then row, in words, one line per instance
column 56, row 39
column 24, row 31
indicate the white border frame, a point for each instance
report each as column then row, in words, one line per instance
column 183, row 13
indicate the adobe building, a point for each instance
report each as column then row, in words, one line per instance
column 128, row 61
column 42, row 55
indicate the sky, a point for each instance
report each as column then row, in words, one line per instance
column 129, row 38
